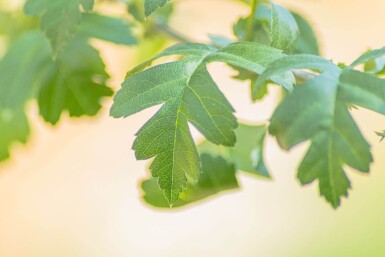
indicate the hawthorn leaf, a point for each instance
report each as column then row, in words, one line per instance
column 188, row 94
column 318, row 111
column 151, row 5
column 288, row 63
column 217, row 176
column 306, row 42
column 252, row 57
column 14, row 128
column 247, row 153
column 20, row 68
column 106, row 28
column 60, row 18
column 75, row 82
column 284, row 28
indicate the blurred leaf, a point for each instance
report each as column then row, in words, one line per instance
column 247, row 153
column 21, row 67
column 373, row 60
column 220, row 41
column 74, row 82
column 284, row 28
column 106, row 28
column 318, row 111
column 13, row 24
column 381, row 134
column 368, row 56
column 136, row 9
column 14, row 128
column 375, row 66
column 306, row 42
column 217, row 176
column 60, row 18
column 151, row 5
column 261, row 26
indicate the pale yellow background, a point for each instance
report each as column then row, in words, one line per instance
column 73, row 192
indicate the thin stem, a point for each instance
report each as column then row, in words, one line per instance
column 171, row 32
column 250, row 23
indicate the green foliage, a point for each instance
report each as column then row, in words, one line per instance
column 71, row 85
column 219, row 166
column 318, row 111
column 75, row 81
column 106, row 28
column 62, row 72
column 60, row 18
column 189, row 95
column 151, row 5
column 14, row 128
column 293, row 34
column 284, row 28
column 247, row 153
column 217, row 176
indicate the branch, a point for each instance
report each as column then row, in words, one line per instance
column 171, row 32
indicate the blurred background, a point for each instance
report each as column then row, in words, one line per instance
column 74, row 190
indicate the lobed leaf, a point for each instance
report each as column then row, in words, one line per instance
column 189, row 95
column 318, row 111
column 74, row 82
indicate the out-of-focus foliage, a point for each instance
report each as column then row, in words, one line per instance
column 60, row 18
column 60, row 70
column 217, row 176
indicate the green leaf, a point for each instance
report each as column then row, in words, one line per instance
column 247, row 153
column 60, row 18
column 151, row 5
column 368, row 56
column 21, row 67
column 288, row 63
column 306, row 42
column 284, row 28
column 14, row 128
column 318, row 111
column 188, row 94
column 217, row 176
column 253, row 57
column 261, row 26
column 74, row 82
column 106, row 28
